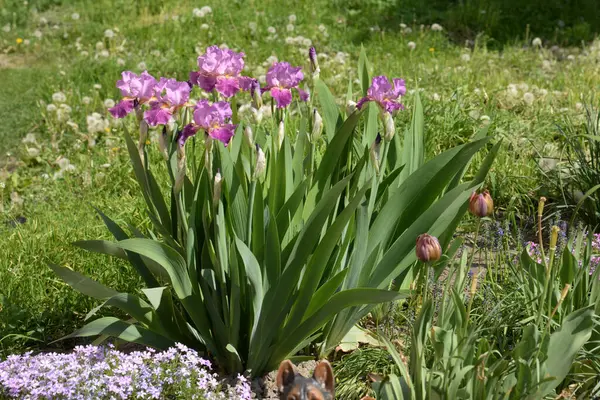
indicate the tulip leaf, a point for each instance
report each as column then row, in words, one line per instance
column 568, row 267
column 564, row 344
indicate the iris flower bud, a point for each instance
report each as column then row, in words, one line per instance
column 374, row 153
column 350, row 107
column 217, row 188
column 181, row 169
column 314, row 63
column 143, row 138
column 256, row 94
column 280, row 134
column 428, row 248
column 257, row 115
column 390, row 128
column 208, row 153
column 317, row 126
column 249, row 136
column 481, row 205
column 261, row 162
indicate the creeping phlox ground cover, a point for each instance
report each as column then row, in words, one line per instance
column 93, row 372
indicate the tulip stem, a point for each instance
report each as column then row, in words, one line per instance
column 475, row 243
column 475, row 277
column 472, row 291
column 426, row 276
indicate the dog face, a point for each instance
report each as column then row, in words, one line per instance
column 294, row 386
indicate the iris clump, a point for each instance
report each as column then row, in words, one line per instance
column 94, row 372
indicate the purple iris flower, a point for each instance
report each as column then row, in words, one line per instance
column 134, row 88
column 137, row 86
column 385, row 94
column 170, row 95
column 214, row 119
column 281, row 79
column 122, row 108
column 220, row 69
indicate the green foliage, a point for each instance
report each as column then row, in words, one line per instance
column 502, row 21
column 458, row 98
column 254, row 269
column 352, row 371
column 576, row 179
column 457, row 355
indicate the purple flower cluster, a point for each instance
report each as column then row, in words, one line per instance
column 218, row 73
column 163, row 97
column 219, row 69
column 534, row 252
column 93, row 372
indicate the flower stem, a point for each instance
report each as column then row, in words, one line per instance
column 426, row 276
column 383, row 159
column 552, row 251
column 475, row 243
column 540, row 235
column 475, row 277
column 472, row 291
column 250, row 212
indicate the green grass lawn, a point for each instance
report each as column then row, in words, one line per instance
column 79, row 49
column 19, row 100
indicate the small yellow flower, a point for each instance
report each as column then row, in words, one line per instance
column 19, row 40
column 147, row 142
column 431, row 49
column 115, row 149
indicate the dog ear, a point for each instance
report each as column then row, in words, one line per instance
column 324, row 375
column 285, row 374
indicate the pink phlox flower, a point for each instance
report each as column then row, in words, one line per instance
column 385, row 94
